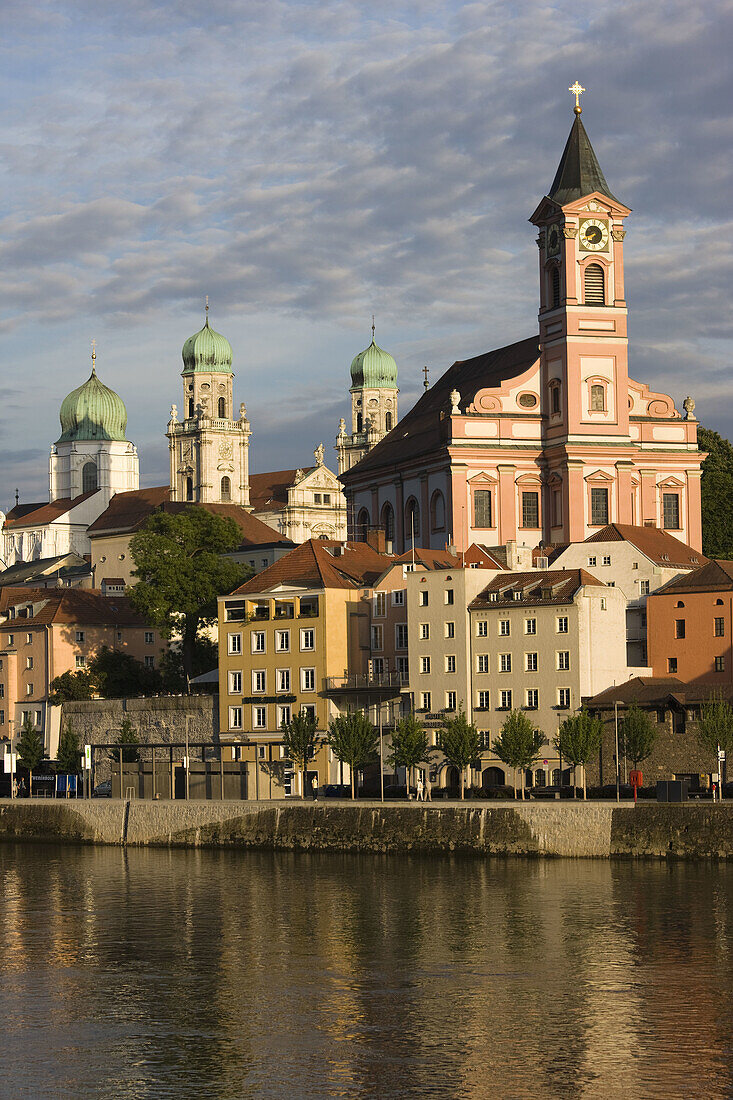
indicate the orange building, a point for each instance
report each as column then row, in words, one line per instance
column 690, row 625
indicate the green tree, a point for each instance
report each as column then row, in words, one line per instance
column 68, row 754
column 715, row 728
column 300, row 738
column 180, row 571
column 410, row 746
column 460, row 744
column 354, row 741
column 716, row 487
column 636, row 735
column 119, row 675
column 129, row 741
column 205, row 658
column 30, row 749
column 518, row 745
column 578, row 739
column 70, row 686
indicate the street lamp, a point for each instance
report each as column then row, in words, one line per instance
column 616, row 704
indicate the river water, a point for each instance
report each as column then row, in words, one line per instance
column 218, row 974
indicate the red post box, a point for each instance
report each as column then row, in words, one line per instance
column 636, row 779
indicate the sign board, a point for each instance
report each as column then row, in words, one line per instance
column 87, row 757
column 636, row 779
column 721, row 756
column 715, row 777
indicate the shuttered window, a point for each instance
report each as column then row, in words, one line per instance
column 555, row 278
column 594, row 290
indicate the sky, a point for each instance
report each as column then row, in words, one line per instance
column 307, row 165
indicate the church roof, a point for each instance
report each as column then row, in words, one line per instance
column 36, row 515
column 579, row 172
column 418, row 433
column 91, row 412
column 373, row 368
column 207, row 351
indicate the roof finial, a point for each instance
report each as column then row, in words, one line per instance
column 17, row 498
column 372, row 328
column 94, row 356
column 577, row 90
column 206, row 310
column 426, row 372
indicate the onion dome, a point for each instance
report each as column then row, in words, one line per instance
column 373, row 368
column 208, row 351
column 93, row 411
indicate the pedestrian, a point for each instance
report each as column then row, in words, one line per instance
column 420, row 788
column 314, row 788
column 428, row 791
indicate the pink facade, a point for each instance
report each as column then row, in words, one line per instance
column 547, row 439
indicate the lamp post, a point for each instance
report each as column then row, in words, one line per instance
column 616, row 705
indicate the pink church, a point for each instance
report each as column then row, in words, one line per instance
column 546, row 439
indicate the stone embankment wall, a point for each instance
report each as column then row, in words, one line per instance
column 595, row 830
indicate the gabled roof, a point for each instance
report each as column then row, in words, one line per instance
column 418, row 433
column 268, row 492
column 321, row 563
column 61, row 566
column 36, row 515
column 715, row 576
column 547, row 586
column 579, row 172
column 659, row 546
column 429, row 559
column 83, row 606
column 654, row 690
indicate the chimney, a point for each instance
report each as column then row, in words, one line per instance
column 376, row 538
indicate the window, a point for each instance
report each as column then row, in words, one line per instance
column 398, row 597
column 189, row 480
column 555, row 397
column 377, row 637
column 388, row 421
column 89, row 477
column 591, row 562
column 530, row 626
column 425, row 664
column 422, row 598
column 307, row 679
column 679, row 628
column 720, row 664
column 258, row 641
column 606, row 559
column 483, row 700
column 555, row 286
column 563, row 660
column 450, row 630
column 307, row 638
column 11, row 639
column 450, row 700
column 283, row 679
column 222, row 408
column 450, row 663
column 671, row 510
column 377, row 667
column 326, row 498
column 308, row 710
column 29, row 639
column 603, row 603
column 424, row 631
column 388, row 523
column 149, row 637
column 594, row 288
column 412, row 521
column 505, row 628
column 671, row 664
column 316, row 498
column 29, row 689
column 532, row 698
column 719, row 628
column 235, row 718
column 556, row 507
column 437, row 511
column 643, row 588
column 2, row 717
column 530, row 509
column 29, row 662
column 259, row 718
column 482, row 628
column 282, row 641
column 259, row 681
column 226, row 489
column 482, row 508
column 448, row 597
column 400, row 636
column 79, row 637
column 284, row 716
column 235, row 643
column 482, row 662
column 425, row 701
column 562, row 624
column 81, row 662
column 530, row 662
column 563, row 698
column 598, row 398
column 403, row 669
column 505, row 662
column 505, row 700
column 235, row 683
column 149, row 661
column 380, row 605
column 599, row 507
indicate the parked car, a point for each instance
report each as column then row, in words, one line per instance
column 337, row 790
column 103, row 790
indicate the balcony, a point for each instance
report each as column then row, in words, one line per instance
column 386, row 685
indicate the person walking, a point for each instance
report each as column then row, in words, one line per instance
column 420, row 788
column 314, row 787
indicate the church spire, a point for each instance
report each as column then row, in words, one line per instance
column 579, row 172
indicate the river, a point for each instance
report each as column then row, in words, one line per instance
column 155, row 973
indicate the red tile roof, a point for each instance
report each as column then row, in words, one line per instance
column 26, row 515
column 321, row 563
column 563, row 584
column 659, row 546
column 715, row 576
column 268, row 492
column 653, row 690
column 82, row 606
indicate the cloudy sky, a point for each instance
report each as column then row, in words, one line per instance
column 307, row 164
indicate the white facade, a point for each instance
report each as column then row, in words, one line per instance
column 78, row 466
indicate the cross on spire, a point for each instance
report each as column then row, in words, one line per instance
column 94, row 355
column 372, row 328
column 426, row 372
column 206, row 309
column 577, row 90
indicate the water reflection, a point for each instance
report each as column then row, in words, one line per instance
column 176, row 974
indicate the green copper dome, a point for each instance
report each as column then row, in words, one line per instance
column 207, row 351
column 374, row 368
column 93, row 411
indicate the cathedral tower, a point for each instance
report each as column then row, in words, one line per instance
column 373, row 404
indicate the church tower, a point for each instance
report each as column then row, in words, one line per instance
column 373, row 404
column 209, row 449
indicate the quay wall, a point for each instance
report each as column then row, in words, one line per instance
column 592, row 830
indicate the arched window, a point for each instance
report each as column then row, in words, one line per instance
column 555, row 286
column 362, row 525
column 189, row 488
column 555, row 397
column 598, row 398
column 226, row 489
column 89, row 477
column 412, row 520
column 594, row 288
column 222, row 408
column 388, row 522
column 359, row 422
column 388, row 421
column 437, row 511
column 190, row 408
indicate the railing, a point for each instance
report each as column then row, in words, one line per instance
column 363, row 682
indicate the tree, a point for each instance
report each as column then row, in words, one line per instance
column 715, row 727
column 354, row 741
column 119, row 675
column 636, row 735
column 70, row 686
column 460, row 744
column 129, row 741
column 68, row 754
column 180, row 572
column 205, row 657
column 410, row 745
column 519, row 744
column 301, row 741
column 30, row 749
column 716, row 487
column 578, row 739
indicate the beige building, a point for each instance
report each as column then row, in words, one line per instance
column 301, row 504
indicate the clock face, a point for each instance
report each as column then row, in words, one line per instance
column 593, row 235
column 553, row 240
